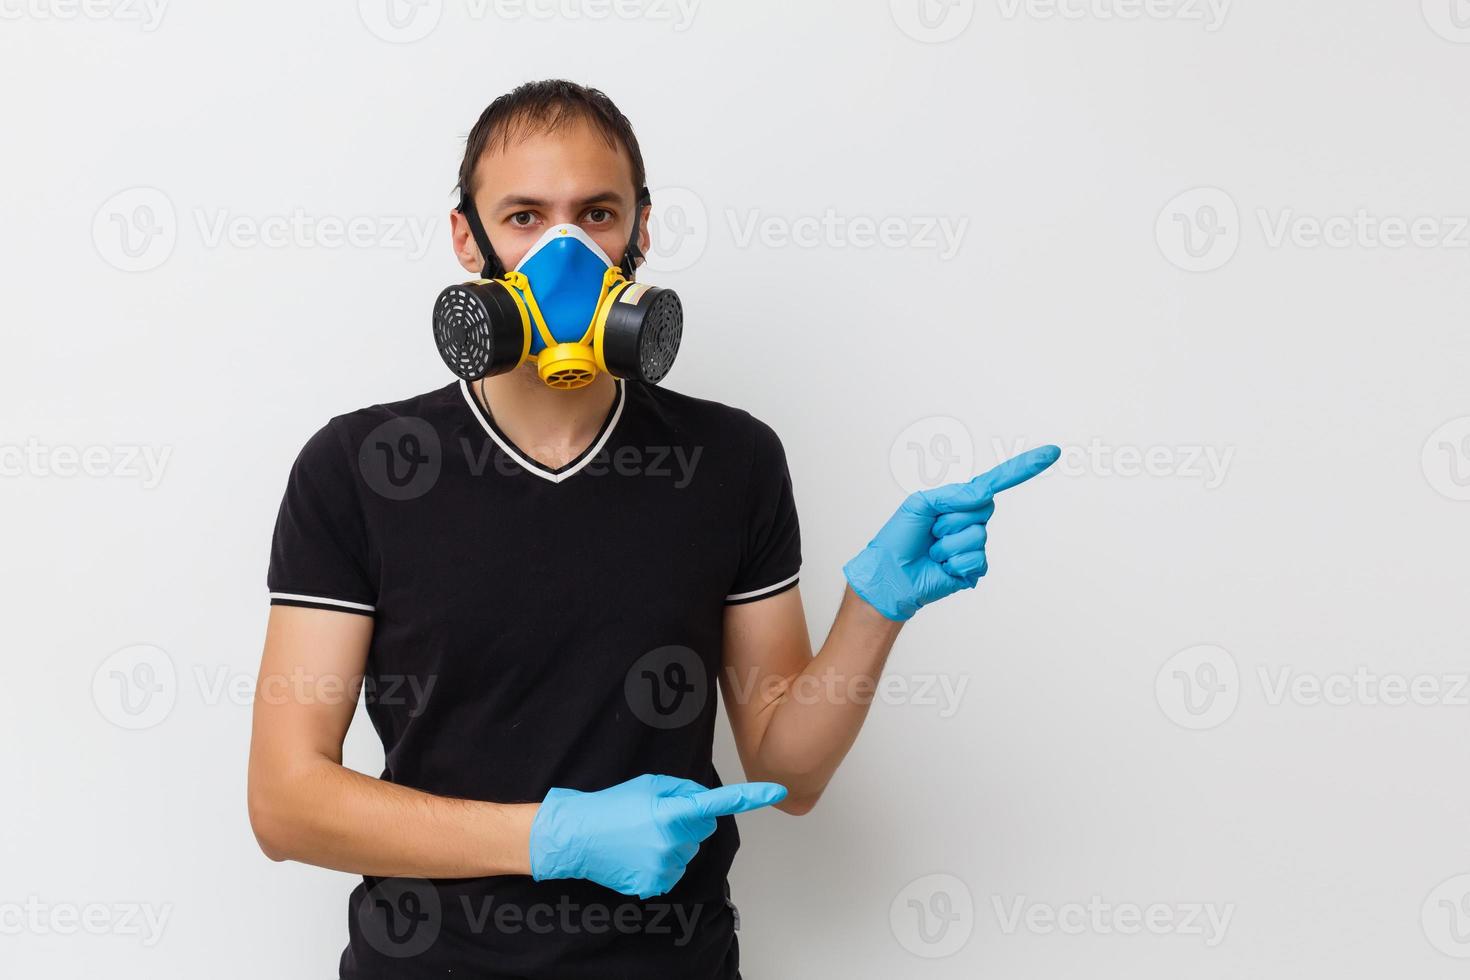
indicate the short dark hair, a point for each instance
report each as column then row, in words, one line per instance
column 541, row 107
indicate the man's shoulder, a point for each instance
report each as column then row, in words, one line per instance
column 426, row 407
column 683, row 412
column 342, row 435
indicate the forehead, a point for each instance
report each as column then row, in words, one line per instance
column 564, row 161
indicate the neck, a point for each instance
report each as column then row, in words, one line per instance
column 552, row 425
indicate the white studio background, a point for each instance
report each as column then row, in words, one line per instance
column 1206, row 716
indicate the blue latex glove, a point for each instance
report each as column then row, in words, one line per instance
column 934, row 545
column 638, row 836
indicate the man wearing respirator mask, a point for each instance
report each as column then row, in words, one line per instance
column 552, row 563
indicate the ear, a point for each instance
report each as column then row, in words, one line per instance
column 463, row 241
column 643, row 238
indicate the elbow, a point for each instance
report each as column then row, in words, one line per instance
column 271, row 828
column 270, row 850
column 799, row 805
column 804, row 783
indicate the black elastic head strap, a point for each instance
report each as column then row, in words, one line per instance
column 632, row 253
column 494, row 268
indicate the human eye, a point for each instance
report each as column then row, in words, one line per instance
column 599, row 216
column 522, row 219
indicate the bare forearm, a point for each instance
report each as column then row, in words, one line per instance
column 815, row 716
column 320, row 813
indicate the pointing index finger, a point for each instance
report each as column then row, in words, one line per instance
column 723, row 801
column 1017, row 469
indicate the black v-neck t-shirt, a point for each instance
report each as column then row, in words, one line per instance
column 536, row 628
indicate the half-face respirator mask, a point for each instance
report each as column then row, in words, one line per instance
column 564, row 304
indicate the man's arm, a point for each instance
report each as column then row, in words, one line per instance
column 795, row 716
column 305, row 806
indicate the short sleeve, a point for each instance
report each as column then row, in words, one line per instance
column 771, row 551
column 319, row 550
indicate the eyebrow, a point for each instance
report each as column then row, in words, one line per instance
column 521, row 201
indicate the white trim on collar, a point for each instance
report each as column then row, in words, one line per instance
column 530, row 465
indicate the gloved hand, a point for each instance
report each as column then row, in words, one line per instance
column 635, row 837
column 934, row 545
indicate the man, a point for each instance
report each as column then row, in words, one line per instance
column 538, row 588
